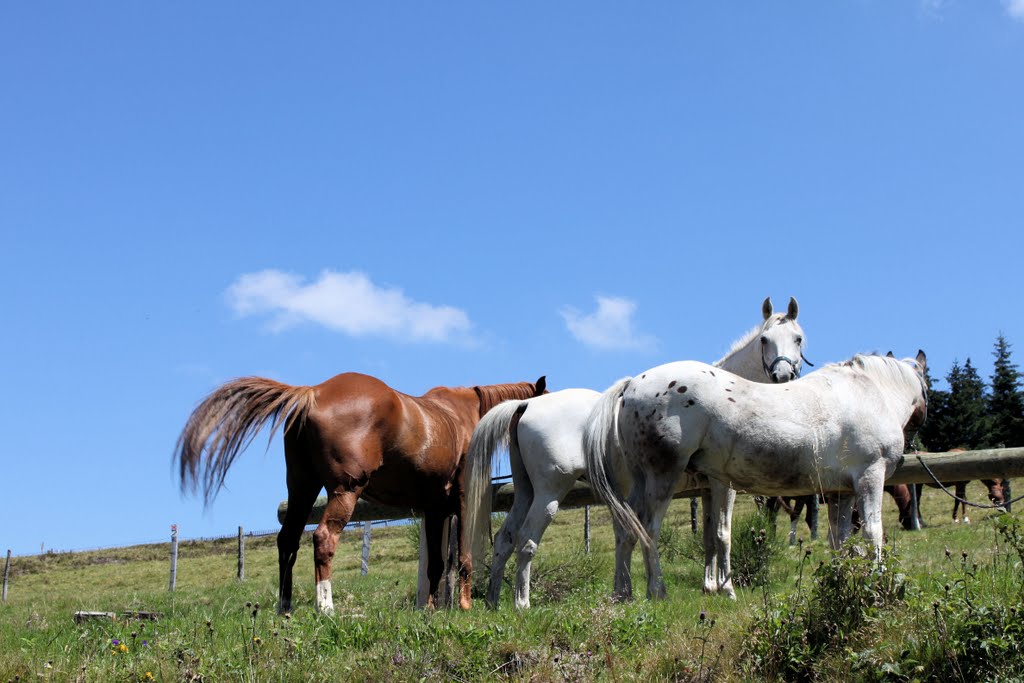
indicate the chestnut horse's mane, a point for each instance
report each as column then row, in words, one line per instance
column 493, row 394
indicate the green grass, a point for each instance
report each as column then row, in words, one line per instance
column 212, row 629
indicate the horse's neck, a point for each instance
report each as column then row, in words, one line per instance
column 493, row 394
column 745, row 361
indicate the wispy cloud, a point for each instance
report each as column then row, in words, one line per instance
column 349, row 303
column 1015, row 8
column 609, row 327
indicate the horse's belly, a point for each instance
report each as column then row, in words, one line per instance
column 400, row 484
column 777, row 476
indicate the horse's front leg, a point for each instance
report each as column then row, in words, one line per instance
column 868, row 488
column 710, row 547
column 722, row 500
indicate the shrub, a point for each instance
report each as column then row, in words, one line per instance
column 788, row 637
column 755, row 548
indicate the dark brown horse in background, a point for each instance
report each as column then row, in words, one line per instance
column 354, row 436
column 995, row 494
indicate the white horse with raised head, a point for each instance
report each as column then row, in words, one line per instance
column 838, row 429
column 546, row 456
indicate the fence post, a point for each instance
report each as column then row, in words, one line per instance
column 174, row 556
column 1007, row 494
column 586, row 529
column 364, row 566
column 241, row 555
column 693, row 515
column 7, row 573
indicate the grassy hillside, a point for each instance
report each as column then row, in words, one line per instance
column 908, row 623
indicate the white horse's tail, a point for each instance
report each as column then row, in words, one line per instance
column 603, row 453
column 491, row 433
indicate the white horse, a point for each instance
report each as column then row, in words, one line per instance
column 546, row 456
column 840, row 428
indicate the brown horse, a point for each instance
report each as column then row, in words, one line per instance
column 355, row 436
column 996, row 495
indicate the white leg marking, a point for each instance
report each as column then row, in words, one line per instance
column 324, row 598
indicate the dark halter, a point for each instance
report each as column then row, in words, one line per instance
column 769, row 369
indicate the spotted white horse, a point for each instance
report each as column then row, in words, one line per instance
column 546, row 456
column 840, row 428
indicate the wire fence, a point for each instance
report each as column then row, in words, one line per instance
column 200, row 539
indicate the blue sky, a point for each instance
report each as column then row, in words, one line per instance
column 468, row 194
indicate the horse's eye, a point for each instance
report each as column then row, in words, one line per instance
column 799, row 341
column 764, row 340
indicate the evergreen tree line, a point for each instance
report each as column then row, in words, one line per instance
column 971, row 414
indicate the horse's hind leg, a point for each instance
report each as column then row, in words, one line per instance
column 433, row 529
column 651, row 513
column 340, row 504
column 542, row 511
column 624, row 543
column 840, row 518
column 303, row 487
column 718, row 501
column 504, row 541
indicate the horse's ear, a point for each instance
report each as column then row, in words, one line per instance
column 890, row 355
column 922, row 360
column 766, row 307
column 793, row 310
column 540, row 386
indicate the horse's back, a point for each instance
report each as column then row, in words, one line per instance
column 353, row 401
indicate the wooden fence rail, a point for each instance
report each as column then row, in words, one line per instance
column 962, row 466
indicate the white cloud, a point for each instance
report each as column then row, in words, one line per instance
column 609, row 327
column 346, row 302
column 1015, row 8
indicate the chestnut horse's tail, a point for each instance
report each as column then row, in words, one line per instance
column 491, row 433
column 603, row 457
column 227, row 421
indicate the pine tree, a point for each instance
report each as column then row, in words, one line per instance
column 932, row 433
column 1006, row 402
column 966, row 420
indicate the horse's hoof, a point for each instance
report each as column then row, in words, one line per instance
column 967, row 520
